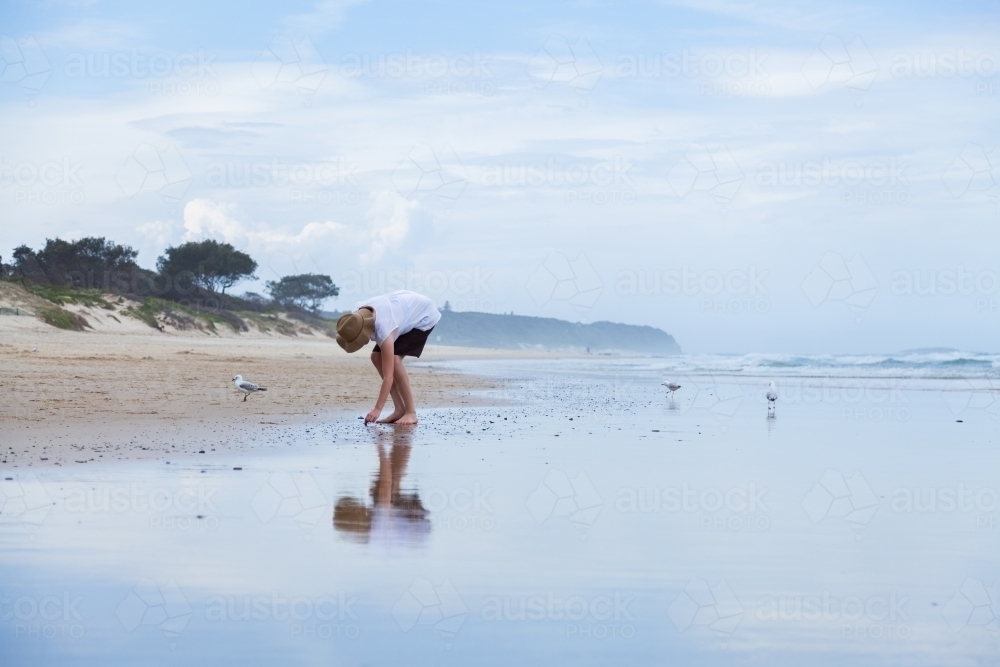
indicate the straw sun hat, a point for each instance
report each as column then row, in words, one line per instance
column 354, row 330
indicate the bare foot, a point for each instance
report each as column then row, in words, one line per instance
column 393, row 418
column 409, row 419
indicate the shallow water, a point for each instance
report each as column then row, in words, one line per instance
column 858, row 526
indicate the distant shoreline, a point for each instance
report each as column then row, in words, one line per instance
column 523, row 332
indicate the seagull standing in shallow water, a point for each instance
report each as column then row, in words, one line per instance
column 246, row 387
column 772, row 398
column 672, row 387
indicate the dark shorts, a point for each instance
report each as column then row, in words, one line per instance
column 410, row 344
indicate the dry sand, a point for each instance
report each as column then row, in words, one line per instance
column 131, row 392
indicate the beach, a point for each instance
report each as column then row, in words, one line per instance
column 117, row 393
column 571, row 511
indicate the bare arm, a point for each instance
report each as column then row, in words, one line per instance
column 388, row 368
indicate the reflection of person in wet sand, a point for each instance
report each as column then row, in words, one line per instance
column 394, row 516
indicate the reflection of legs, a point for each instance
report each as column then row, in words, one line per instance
column 402, row 381
column 393, row 449
column 398, row 404
column 382, row 489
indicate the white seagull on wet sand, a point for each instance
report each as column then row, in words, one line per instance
column 246, row 387
column 672, row 387
column 772, row 396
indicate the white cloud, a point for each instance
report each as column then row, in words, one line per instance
column 158, row 233
column 91, row 34
column 389, row 221
column 326, row 15
column 204, row 218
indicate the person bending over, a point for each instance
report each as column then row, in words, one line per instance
column 399, row 323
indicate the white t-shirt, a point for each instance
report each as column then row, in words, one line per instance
column 400, row 312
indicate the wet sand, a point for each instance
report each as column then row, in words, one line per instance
column 586, row 519
column 98, row 396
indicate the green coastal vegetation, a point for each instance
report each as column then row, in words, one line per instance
column 191, row 290
column 188, row 289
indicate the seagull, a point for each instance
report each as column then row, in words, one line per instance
column 672, row 387
column 772, row 397
column 246, row 387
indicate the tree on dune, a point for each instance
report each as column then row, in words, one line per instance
column 214, row 266
column 307, row 290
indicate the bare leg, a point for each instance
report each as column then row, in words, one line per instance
column 402, row 381
column 245, row 397
column 398, row 406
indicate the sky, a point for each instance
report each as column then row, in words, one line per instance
column 788, row 177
